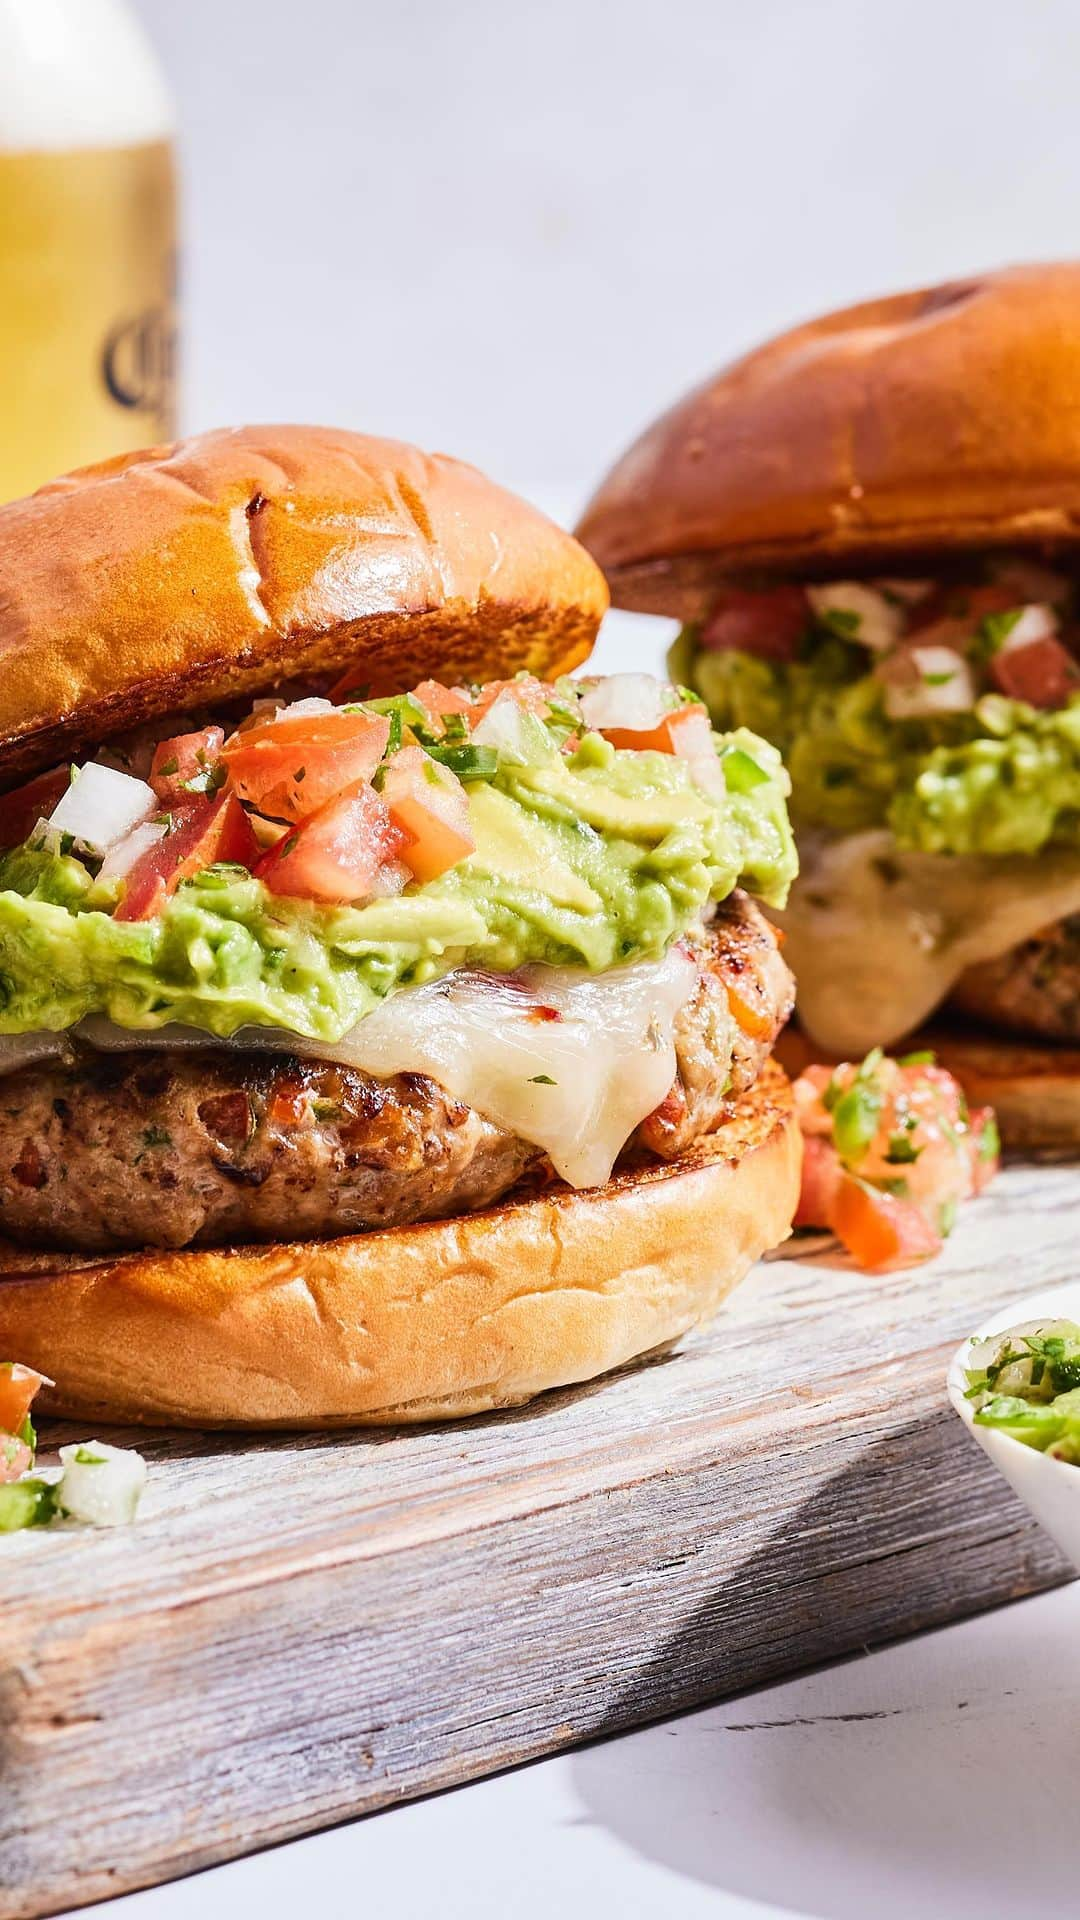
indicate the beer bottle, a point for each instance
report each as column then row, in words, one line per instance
column 87, row 239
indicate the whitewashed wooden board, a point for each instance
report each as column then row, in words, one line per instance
column 301, row 1629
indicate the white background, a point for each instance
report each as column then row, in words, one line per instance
column 515, row 231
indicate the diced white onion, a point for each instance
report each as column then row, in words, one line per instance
column 695, row 746
column 1035, row 623
column 122, row 857
column 312, row 705
column 874, row 621
column 632, row 700
column 391, row 878
column 46, row 839
column 910, row 592
column 922, row 682
column 101, row 806
column 519, row 737
column 100, row 1485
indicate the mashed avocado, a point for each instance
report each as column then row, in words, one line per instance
column 594, row 861
column 1002, row 779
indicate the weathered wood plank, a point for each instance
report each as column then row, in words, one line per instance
column 303, row 1629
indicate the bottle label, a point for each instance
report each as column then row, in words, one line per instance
column 87, row 308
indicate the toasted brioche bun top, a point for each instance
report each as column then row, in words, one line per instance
column 937, row 420
column 222, row 564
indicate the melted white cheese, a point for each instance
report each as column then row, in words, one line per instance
column 571, row 1062
column 877, row 938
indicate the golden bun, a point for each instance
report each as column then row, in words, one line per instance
column 1033, row 1088
column 219, row 565
column 939, row 419
column 420, row 1323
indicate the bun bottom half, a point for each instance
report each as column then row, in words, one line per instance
column 1033, row 1086
column 432, row 1322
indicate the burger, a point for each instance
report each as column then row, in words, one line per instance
column 385, row 1019
column 869, row 529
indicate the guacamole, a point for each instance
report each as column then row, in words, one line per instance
column 1003, row 778
column 594, row 861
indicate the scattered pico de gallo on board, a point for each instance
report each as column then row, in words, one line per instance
column 98, row 1485
column 890, row 1151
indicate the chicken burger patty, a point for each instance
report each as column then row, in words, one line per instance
column 207, row 1148
column 1033, row 990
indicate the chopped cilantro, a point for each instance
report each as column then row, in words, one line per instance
column 992, row 632
column 843, row 621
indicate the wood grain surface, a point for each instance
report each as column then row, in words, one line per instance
column 300, row 1630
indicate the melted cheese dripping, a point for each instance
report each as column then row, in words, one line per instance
column 877, row 938
column 571, row 1062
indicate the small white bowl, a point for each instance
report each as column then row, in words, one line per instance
column 1050, row 1488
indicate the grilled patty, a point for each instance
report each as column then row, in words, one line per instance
column 1034, row 989
column 207, row 1148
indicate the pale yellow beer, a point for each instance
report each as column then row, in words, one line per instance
column 87, row 328
column 87, row 247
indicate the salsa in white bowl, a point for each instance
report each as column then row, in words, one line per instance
column 1012, row 1383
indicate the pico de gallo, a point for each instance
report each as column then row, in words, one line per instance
column 295, row 864
column 97, row 1484
column 891, row 1150
column 947, row 709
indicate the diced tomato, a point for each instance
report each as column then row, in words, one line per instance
column 810, row 1109
column 15, row 1459
column 684, row 728
column 429, row 805
column 185, row 758
column 437, row 700
column 291, row 767
column 686, row 732
column 985, row 1147
column 203, row 832
column 880, row 1231
column 768, row 624
column 820, row 1177
column 21, row 809
column 348, row 851
column 1043, row 672
column 18, row 1385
